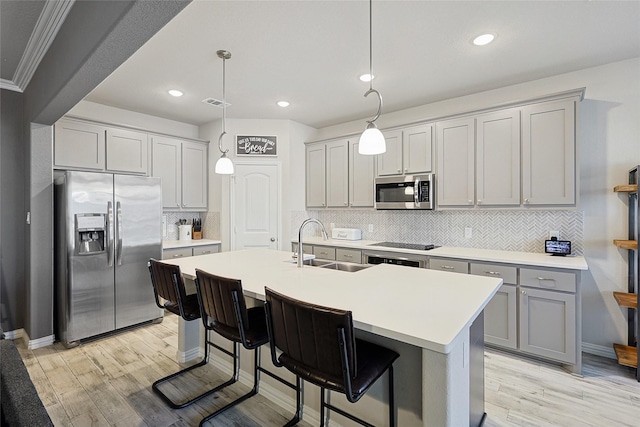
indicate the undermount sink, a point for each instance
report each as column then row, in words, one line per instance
column 317, row 262
column 334, row 265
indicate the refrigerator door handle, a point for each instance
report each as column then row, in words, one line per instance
column 110, row 246
column 119, row 246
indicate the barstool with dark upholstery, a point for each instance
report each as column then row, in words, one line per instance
column 319, row 346
column 168, row 284
column 223, row 310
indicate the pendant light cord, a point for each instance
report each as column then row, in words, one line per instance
column 371, row 89
column 223, row 55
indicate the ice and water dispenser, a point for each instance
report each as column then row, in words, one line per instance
column 90, row 233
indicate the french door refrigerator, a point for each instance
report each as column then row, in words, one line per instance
column 106, row 229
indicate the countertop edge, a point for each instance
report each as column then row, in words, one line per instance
column 176, row 244
column 464, row 253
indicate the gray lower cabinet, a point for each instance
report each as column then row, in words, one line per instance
column 548, row 314
column 500, row 314
column 190, row 251
column 450, row 265
column 324, row 252
column 349, row 255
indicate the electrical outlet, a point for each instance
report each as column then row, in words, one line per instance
column 468, row 232
column 554, row 233
column 370, row 228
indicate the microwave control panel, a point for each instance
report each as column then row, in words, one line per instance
column 423, row 193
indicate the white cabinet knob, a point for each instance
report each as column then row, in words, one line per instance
column 470, row 202
column 524, row 292
column 479, row 202
column 526, row 200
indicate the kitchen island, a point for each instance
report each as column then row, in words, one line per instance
column 435, row 313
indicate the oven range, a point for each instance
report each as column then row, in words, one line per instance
column 409, row 260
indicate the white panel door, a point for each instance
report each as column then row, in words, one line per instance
column 390, row 162
column 337, row 178
column 256, row 206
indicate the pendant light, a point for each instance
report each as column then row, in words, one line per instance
column 372, row 141
column 224, row 166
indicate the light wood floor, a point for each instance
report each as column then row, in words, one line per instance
column 108, row 383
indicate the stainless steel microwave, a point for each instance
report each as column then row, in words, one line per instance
column 405, row 192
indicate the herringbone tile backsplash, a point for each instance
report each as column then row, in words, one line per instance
column 501, row 230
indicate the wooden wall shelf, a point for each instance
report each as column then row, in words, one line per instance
column 626, row 244
column 627, row 356
column 626, row 188
column 626, row 300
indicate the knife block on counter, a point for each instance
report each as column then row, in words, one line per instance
column 196, row 235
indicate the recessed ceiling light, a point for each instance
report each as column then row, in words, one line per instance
column 366, row 78
column 175, row 92
column 283, row 104
column 483, row 39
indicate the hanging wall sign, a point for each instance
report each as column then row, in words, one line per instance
column 256, row 145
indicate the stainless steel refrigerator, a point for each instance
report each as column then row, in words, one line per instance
column 106, row 229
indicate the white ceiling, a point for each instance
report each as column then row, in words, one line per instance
column 312, row 52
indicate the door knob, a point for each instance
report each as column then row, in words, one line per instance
column 273, row 239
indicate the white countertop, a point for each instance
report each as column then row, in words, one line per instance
column 473, row 254
column 174, row 244
column 426, row 308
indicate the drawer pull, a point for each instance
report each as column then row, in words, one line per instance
column 493, row 273
column 544, row 278
column 348, row 256
column 324, row 253
column 206, row 252
column 447, row 267
column 178, row 255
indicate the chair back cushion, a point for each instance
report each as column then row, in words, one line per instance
column 167, row 281
column 307, row 334
column 217, row 303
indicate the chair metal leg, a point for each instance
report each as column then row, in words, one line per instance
column 253, row 392
column 170, row 402
column 322, row 406
column 298, row 415
column 392, row 405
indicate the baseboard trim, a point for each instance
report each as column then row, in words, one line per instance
column 40, row 342
column 599, row 350
column 186, row 356
column 14, row 335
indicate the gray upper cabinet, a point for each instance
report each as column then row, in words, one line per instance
column 91, row 146
column 182, row 167
column 194, row 175
column 337, row 177
column 498, row 158
column 390, row 162
column 127, row 151
column 548, row 153
column 315, row 176
column 417, row 147
column 361, row 175
column 78, row 145
column 456, row 162
column 409, row 151
column 166, row 164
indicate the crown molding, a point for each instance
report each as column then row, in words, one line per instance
column 9, row 85
column 49, row 22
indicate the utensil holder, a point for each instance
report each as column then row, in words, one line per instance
column 184, row 232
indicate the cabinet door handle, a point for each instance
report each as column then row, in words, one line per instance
column 447, row 267
column 470, row 202
column 399, row 170
column 345, row 203
column 177, row 255
column 479, row 201
column 493, row 273
column 524, row 292
column 526, row 201
column 178, row 204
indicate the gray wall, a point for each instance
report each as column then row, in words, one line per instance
column 12, row 209
column 94, row 40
